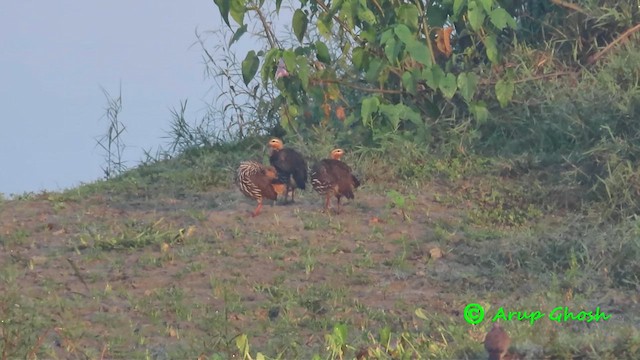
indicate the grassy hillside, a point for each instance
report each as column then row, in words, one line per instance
column 162, row 262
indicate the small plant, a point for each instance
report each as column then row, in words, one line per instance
column 111, row 142
column 401, row 202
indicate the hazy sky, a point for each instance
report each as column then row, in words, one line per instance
column 55, row 56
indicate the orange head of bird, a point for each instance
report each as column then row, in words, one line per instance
column 275, row 144
column 336, row 154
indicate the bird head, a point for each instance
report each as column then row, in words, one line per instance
column 336, row 154
column 275, row 144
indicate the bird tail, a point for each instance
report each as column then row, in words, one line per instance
column 356, row 182
column 300, row 177
column 348, row 193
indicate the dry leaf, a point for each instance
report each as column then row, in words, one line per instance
column 340, row 113
column 443, row 41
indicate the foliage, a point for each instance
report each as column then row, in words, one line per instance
column 379, row 65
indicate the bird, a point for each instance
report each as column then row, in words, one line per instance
column 257, row 181
column 497, row 342
column 289, row 164
column 332, row 177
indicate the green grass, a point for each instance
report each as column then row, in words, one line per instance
column 161, row 261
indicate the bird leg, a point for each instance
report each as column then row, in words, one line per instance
column 338, row 209
column 293, row 191
column 256, row 212
column 327, row 202
column 286, row 194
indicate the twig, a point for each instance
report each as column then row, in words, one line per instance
column 569, row 5
column 344, row 26
column 425, row 29
column 357, row 87
column 595, row 57
column 104, row 351
column 77, row 273
column 267, row 29
column 34, row 350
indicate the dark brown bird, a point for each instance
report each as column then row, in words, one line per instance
column 258, row 182
column 497, row 342
column 290, row 164
column 332, row 177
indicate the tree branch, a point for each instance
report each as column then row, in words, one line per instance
column 595, row 57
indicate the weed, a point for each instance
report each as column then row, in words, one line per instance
column 111, row 143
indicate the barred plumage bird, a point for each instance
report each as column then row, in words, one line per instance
column 332, row 177
column 258, row 182
column 290, row 164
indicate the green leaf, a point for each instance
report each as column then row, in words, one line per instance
column 375, row 67
column 267, row 71
column 457, row 7
column 420, row 314
column 249, row 67
column 436, row 16
column 420, row 52
column 504, row 91
column 486, row 5
column 289, row 58
column 367, row 16
column 407, row 14
column 303, row 71
column 479, row 111
column 224, row 6
column 237, row 11
column 491, row 47
column 385, row 337
column 392, row 113
column 391, row 50
column 346, row 15
column 278, row 4
column 236, row 36
column 359, row 57
column 501, row 18
column 467, row 83
column 324, row 27
column 476, row 15
column 322, row 52
column 410, row 114
column 340, row 333
column 409, row 82
column 369, row 106
column 448, row 85
column 386, row 36
column 433, row 76
column 403, row 33
column 300, row 23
